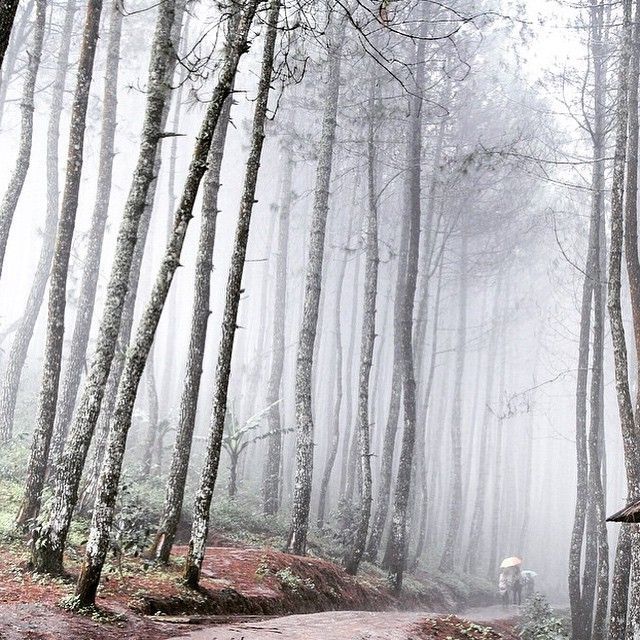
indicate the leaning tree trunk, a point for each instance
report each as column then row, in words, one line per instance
column 47, row 554
column 367, row 342
column 397, row 535
column 8, row 10
column 271, row 477
column 58, row 285
column 202, row 504
column 26, row 326
column 87, row 495
column 108, row 484
column 16, row 182
column 448, row 559
column 128, row 308
column 87, row 296
column 297, row 542
column 174, row 493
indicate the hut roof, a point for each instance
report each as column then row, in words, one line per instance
column 631, row 513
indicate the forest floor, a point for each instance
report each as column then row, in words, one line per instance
column 244, row 591
column 247, row 584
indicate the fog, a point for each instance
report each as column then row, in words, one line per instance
column 504, row 100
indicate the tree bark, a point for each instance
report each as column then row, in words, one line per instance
column 397, row 535
column 152, row 415
column 200, row 526
column 476, row 543
column 104, row 507
column 297, row 542
column 86, row 299
column 367, row 342
column 47, row 554
column 621, row 218
column 455, row 506
column 332, row 449
column 19, row 174
column 498, row 472
column 391, row 429
column 26, row 326
column 427, row 490
column 174, row 492
column 272, row 470
column 58, row 285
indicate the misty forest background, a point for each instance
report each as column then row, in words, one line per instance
column 380, row 296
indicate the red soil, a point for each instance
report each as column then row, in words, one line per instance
column 451, row 627
column 234, row 581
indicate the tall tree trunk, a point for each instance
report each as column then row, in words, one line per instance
column 86, row 299
column 476, row 542
column 600, row 567
column 58, row 286
column 128, row 309
column 174, row 492
column 391, row 429
column 332, row 449
column 498, row 472
column 350, row 440
column 297, row 542
column 595, row 588
column 367, row 342
column 397, row 535
column 429, row 460
column 124, row 336
column 47, row 554
column 108, row 484
column 16, row 182
column 202, row 504
column 152, row 415
column 271, row 477
column 619, row 235
column 633, row 273
column 455, row 506
column 26, row 326
column 577, row 536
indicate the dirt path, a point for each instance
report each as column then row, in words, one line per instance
column 340, row 625
column 331, row 625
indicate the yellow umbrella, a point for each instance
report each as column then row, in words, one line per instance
column 510, row 562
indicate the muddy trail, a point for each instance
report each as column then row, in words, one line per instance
column 359, row 625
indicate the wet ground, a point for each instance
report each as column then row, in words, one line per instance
column 356, row 625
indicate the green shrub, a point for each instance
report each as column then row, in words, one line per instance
column 289, row 581
column 14, row 457
column 539, row 621
column 242, row 519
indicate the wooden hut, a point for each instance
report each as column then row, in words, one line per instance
column 630, row 513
